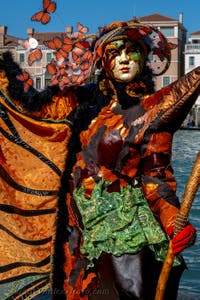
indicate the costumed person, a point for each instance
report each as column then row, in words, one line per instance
column 122, row 158
column 118, row 201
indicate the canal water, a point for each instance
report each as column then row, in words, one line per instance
column 186, row 145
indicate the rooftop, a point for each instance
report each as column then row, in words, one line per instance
column 195, row 33
column 156, row 18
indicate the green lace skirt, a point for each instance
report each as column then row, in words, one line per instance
column 118, row 222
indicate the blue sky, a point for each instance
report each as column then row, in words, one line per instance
column 16, row 14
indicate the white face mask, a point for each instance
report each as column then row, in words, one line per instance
column 125, row 68
column 123, row 60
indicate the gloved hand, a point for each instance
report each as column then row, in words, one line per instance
column 184, row 239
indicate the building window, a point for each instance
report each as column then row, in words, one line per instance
column 48, row 56
column 166, row 80
column 38, row 83
column 21, row 57
column 167, row 31
column 47, row 78
column 191, row 61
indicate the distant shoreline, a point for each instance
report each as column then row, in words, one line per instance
column 189, row 128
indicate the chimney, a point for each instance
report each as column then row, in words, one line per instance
column 3, row 31
column 30, row 32
column 181, row 17
column 69, row 29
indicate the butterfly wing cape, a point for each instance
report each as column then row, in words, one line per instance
column 30, row 149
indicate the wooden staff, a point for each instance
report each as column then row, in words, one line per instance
column 181, row 221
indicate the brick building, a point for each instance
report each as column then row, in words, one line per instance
column 192, row 60
column 38, row 70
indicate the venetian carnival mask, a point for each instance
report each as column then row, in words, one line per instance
column 122, row 60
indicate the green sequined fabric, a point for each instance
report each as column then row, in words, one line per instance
column 118, row 223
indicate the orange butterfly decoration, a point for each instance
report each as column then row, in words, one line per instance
column 82, row 30
column 43, row 16
column 72, row 60
column 51, row 67
column 60, row 45
column 34, row 55
column 27, row 81
column 31, row 46
column 86, row 60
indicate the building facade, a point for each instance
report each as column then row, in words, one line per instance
column 192, row 60
column 37, row 71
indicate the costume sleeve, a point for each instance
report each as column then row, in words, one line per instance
column 180, row 99
column 166, row 111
